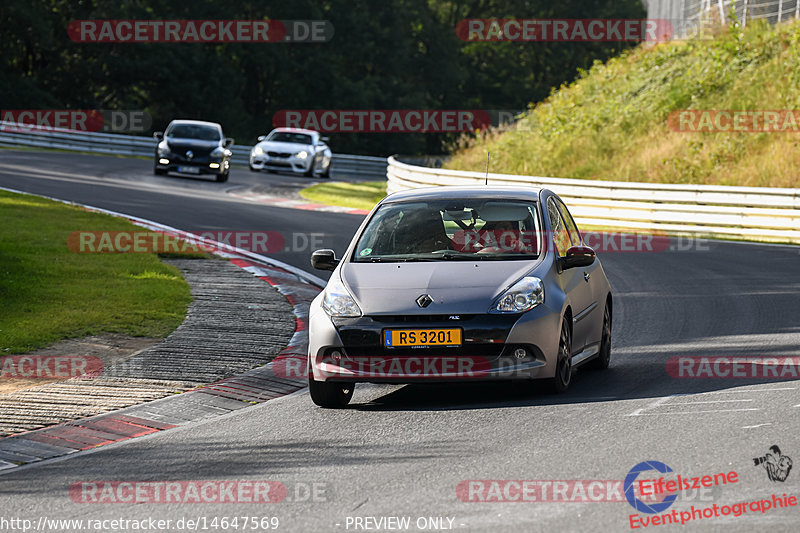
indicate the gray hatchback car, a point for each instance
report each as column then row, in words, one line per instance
column 459, row 284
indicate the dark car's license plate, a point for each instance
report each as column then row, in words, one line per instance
column 189, row 170
column 421, row 337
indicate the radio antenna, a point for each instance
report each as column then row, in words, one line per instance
column 487, row 168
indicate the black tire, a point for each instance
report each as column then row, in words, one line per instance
column 329, row 394
column 159, row 171
column 560, row 382
column 327, row 173
column 603, row 359
column 222, row 178
column 310, row 172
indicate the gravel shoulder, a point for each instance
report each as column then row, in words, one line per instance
column 236, row 322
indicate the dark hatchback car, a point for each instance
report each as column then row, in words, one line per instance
column 459, row 284
column 193, row 147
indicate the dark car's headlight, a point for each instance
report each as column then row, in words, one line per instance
column 337, row 301
column 218, row 152
column 523, row 296
column 163, row 149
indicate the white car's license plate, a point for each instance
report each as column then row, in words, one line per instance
column 189, row 170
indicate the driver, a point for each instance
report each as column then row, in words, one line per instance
column 501, row 237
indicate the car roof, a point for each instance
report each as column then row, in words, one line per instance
column 196, row 123
column 297, row 130
column 467, row 192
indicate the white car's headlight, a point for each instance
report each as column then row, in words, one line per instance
column 523, row 296
column 257, row 150
column 337, row 302
column 301, row 155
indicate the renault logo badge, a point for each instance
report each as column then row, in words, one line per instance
column 189, row 154
column 425, row 300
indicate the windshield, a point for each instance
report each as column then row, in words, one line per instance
column 289, row 137
column 447, row 230
column 193, row 131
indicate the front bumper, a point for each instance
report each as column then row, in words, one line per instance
column 351, row 350
column 195, row 166
column 291, row 163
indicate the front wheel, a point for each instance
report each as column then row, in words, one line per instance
column 604, row 357
column 329, row 394
column 310, row 172
column 327, row 173
column 560, row 382
column 221, row 178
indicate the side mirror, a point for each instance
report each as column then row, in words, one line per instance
column 324, row 260
column 261, row 138
column 228, row 142
column 578, row 256
column 158, row 135
column 325, row 139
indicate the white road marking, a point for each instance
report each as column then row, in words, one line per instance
column 748, row 390
column 709, row 401
column 757, row 426
column 696, row 412
column 652, row 404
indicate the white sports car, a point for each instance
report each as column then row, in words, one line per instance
column 294, row 150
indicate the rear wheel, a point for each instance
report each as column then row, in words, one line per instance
column 560, row 382
column 329, row 394
column 604, row 357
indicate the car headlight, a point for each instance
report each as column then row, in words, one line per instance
column 337, row 302
column 163, row 149
column 523, row 296
column 301, row 155
column 257, row 150
column 219, row 151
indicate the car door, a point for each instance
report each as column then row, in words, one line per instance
column 575, row 282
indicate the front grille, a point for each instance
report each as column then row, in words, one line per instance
column 393, row 319
column 279, row 154
column 466, row 350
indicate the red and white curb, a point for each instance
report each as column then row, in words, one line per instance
column 243, row 390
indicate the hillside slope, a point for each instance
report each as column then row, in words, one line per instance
column 612, row 123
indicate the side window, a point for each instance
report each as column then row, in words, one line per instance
column 574, row 234
column 561, row 238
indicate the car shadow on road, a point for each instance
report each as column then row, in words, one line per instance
column 630, row 379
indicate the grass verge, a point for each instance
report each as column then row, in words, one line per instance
column 49, row 293
column 362, row 195
column 612, row 122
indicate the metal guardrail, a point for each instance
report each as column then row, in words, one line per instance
column 12, row 135
column 752, row 213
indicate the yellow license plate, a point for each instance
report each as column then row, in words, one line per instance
column 421, row 337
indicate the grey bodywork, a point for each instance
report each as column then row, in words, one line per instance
column 578, row 295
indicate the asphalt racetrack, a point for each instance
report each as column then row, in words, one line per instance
column 418, row 452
